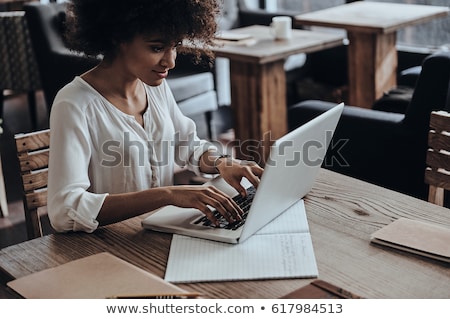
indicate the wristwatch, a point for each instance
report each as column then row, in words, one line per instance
column 219, row 157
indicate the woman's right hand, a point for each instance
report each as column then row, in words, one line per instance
column 204, row 198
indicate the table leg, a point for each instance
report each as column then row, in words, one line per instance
column 372, row 66
column 258, row 97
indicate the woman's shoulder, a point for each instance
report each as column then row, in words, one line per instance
column 76, row 101
column 77, row 91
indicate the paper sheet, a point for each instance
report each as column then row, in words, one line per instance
column 293, row 220
column 100, row 275
column 282, row 249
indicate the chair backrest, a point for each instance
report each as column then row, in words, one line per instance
column 18, row 71
column 430, row 93
column 437, row 173
column 32, row 153
column 57, row 64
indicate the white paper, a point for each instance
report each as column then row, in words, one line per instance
column 232, row 36
column 293, row 220
column 282, row 249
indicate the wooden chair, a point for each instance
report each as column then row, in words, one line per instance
column 33, row 154
column 437, row 173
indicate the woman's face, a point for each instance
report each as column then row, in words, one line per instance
column 148, row 58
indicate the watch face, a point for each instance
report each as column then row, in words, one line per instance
column 219, row 157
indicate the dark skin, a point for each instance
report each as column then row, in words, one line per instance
column 148, row 59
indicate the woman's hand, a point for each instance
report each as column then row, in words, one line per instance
column 204, row 197
column 233, row 170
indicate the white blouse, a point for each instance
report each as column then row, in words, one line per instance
column 96, row 150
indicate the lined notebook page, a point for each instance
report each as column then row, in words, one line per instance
column 269, row 254
column 293, row 220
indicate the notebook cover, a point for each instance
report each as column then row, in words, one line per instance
column 95, row 277
column 417, row 237
column 320, row 289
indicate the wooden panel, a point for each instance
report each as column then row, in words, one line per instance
column 32, row 141
column 438, row 179
column 438, row 160
column 440, row 121
column 35, row 180
column 259, row 106
column 438, row 141
column 36, row 199
column 373, row 67
column 386, row 63
column 33, row 161
column 436, row 195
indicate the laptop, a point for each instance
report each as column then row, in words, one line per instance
column 289, row 174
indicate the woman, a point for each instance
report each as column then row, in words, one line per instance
column 116, row 131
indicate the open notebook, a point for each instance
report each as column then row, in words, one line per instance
column 282, row 249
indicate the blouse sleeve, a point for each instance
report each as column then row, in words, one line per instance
column 71, row 207
column 188, row 146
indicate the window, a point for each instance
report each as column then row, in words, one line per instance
column 305, row 5
column 433, row 34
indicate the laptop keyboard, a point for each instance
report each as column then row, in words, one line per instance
column 243, row 202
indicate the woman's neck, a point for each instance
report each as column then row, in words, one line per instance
column 125, row 93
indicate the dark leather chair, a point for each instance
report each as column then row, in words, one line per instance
column 384, row 148
column 57, row 64
column 18, row 68
column 193, row 87
column 399, row 97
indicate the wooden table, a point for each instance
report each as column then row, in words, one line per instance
column 371, row 29
column 258, row 84
column 342, row 213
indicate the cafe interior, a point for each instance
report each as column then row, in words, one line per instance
column 390, row 78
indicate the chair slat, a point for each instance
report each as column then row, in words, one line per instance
column 36, row 200
column 437, row 179
column 438, row 160
column 33, row 161
column 438, row 141
column 35, row 180
column 439, row 121
column 32, row 141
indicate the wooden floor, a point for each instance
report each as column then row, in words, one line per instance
column 16, row 120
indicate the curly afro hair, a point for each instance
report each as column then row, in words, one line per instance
column 96, row 27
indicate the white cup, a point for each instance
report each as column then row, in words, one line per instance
column 282, row 27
